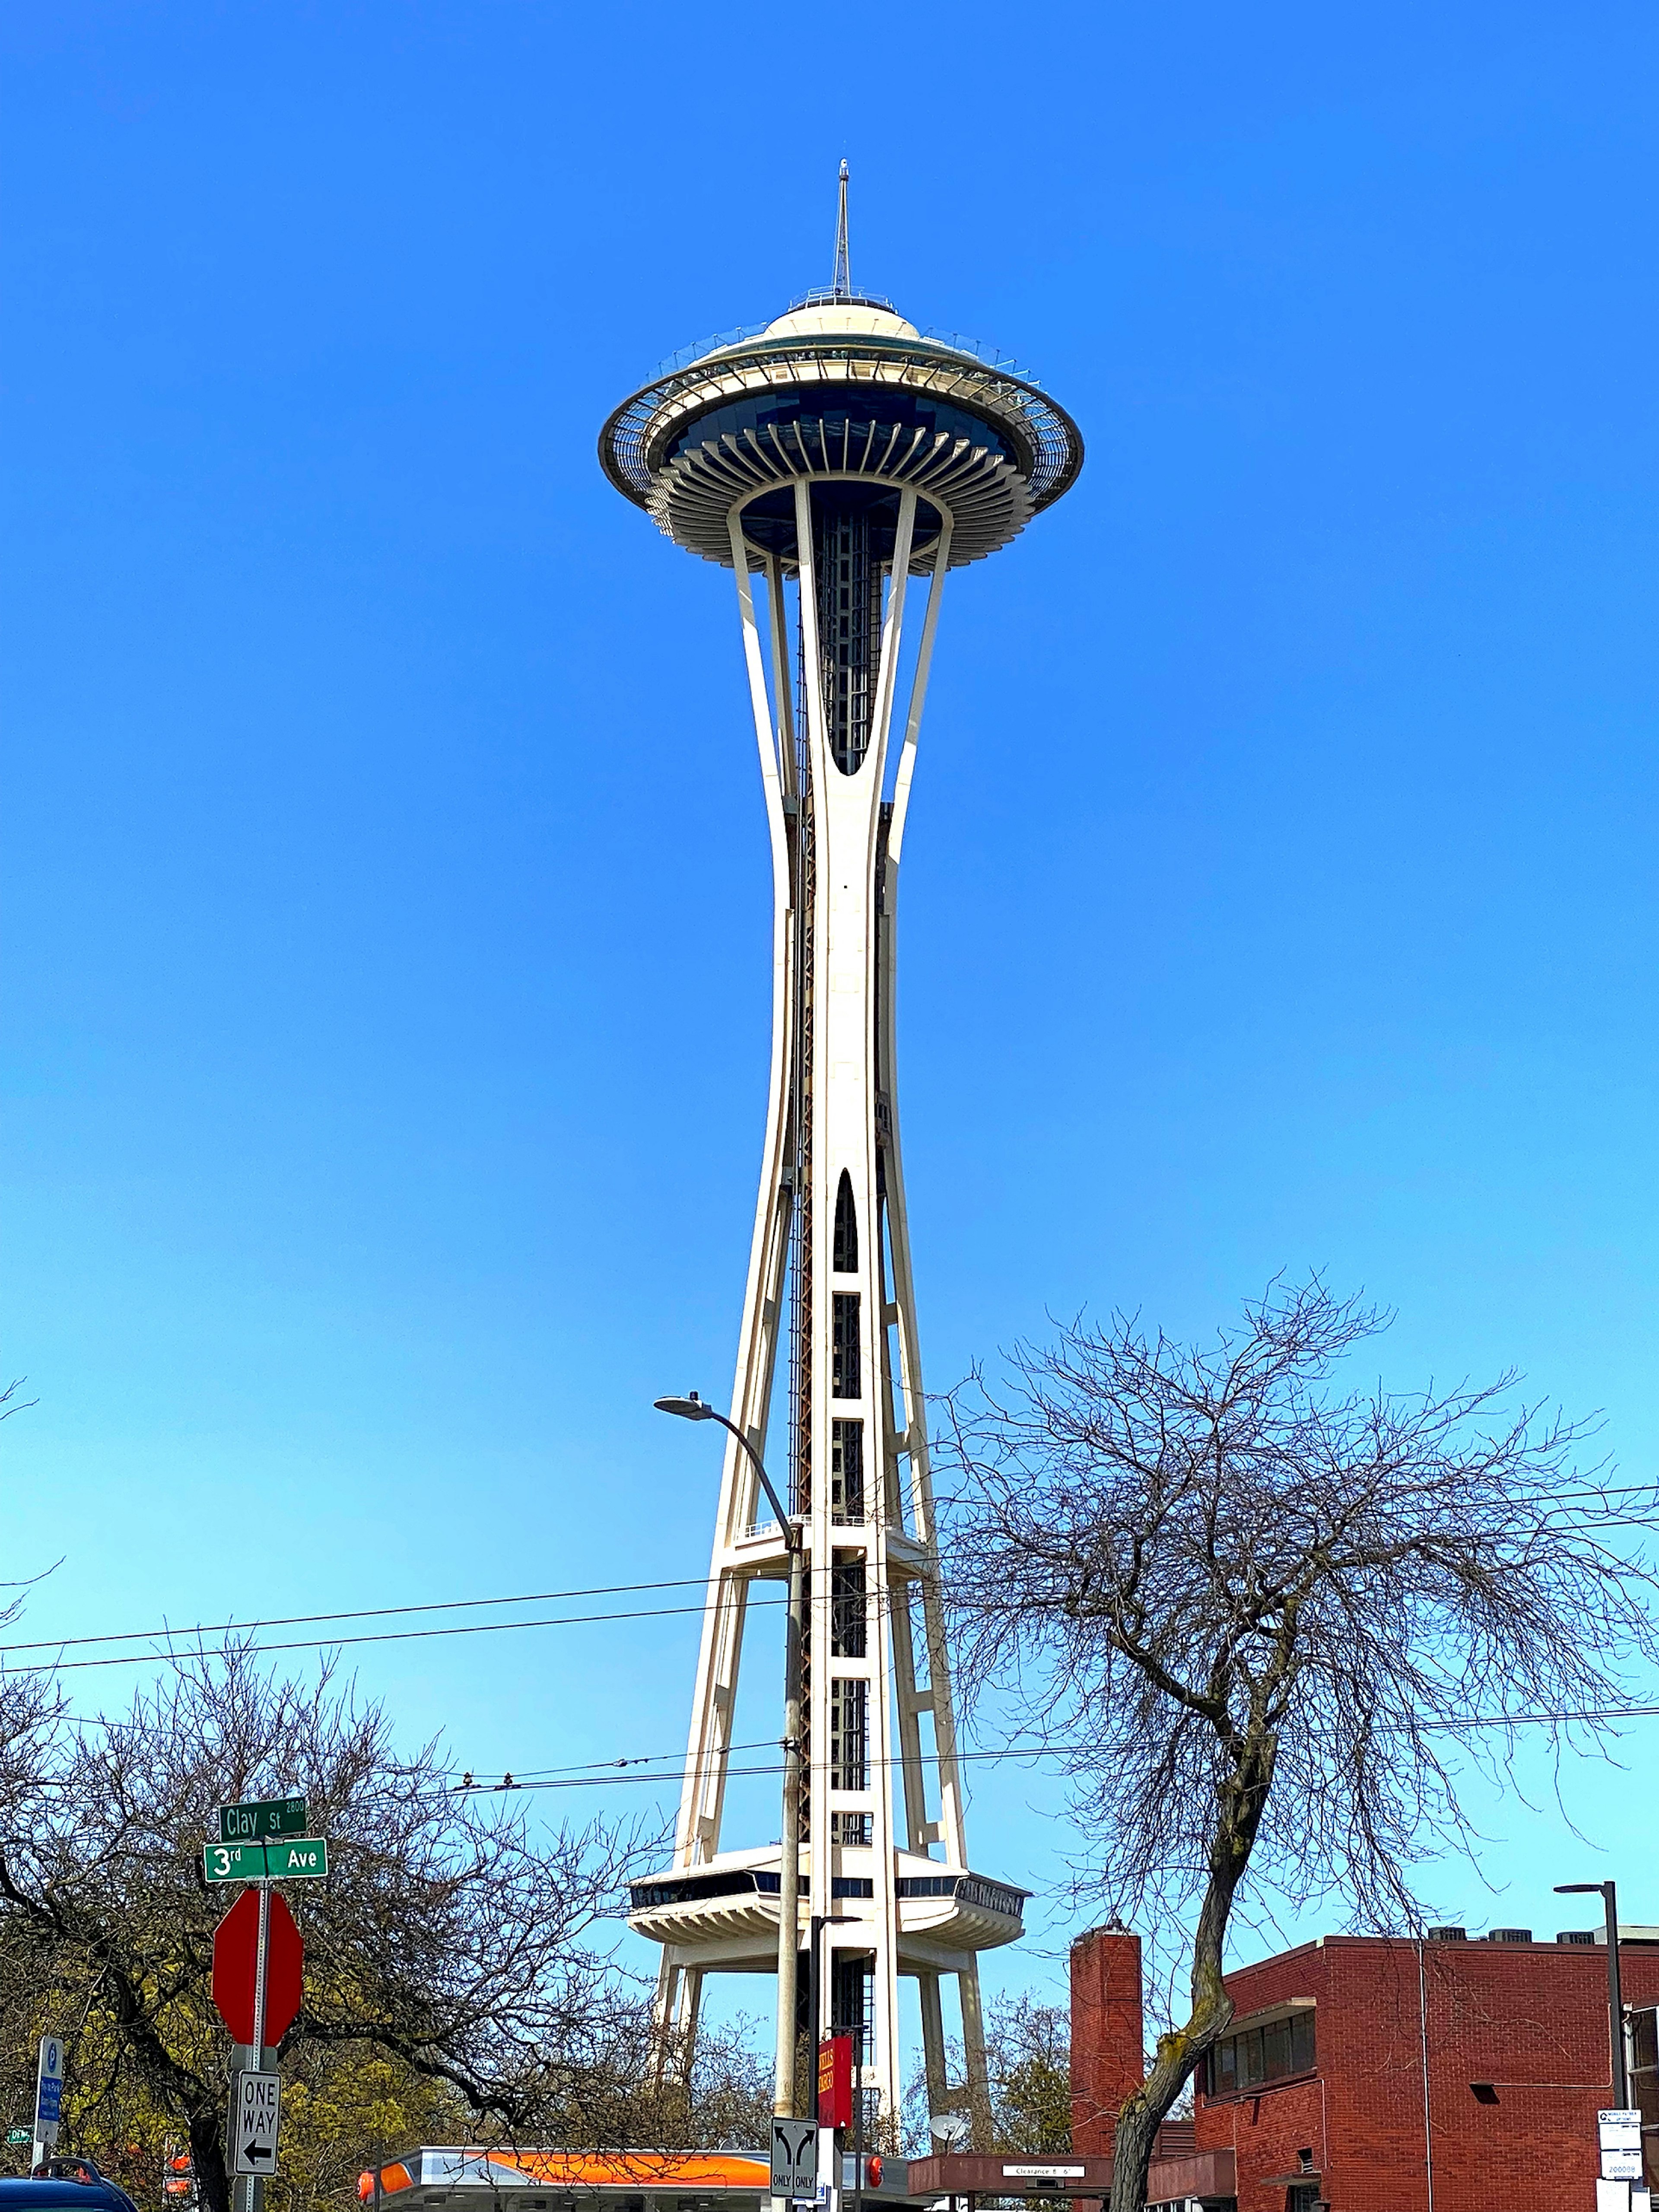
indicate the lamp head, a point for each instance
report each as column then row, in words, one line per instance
column 1581, row 1888
column 689, row 1407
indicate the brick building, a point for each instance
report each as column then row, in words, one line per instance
column 1370, row 2074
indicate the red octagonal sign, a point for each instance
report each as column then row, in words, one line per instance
column 235, row 1960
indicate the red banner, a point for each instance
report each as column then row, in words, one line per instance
column 835, row 2082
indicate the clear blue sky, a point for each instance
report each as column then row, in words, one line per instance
column 384, row 885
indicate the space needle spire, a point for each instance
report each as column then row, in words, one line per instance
column 840, row 465
column 842, row 286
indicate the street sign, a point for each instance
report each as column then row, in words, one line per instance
column 234, row 1861
column 17, row 2136
column 795, row 2158
column 49, row 2090
column 236, row 1964
column 1620, row 2134
column 270, row 1816
column 256, row 2104
column 304, row 1859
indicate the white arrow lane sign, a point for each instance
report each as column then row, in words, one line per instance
column 794, row 2158
column 256, row 2104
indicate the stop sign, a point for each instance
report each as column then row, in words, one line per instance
column 235, row 1961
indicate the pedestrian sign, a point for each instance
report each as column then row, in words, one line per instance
column 256, row 2104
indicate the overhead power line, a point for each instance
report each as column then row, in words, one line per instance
column 175, row 1642
column 358, row 1613
column 389, row 1635
column 597, row 1773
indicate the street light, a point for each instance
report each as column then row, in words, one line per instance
column 1607, row 1893
column 691, row 1407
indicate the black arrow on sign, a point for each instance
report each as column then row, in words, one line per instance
column 258, row 2150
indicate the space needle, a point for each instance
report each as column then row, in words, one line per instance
column 840, row 464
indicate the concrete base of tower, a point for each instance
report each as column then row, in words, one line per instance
column 722, row 1916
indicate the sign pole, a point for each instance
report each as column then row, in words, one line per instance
column 262, row 1959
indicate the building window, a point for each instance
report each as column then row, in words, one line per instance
column 847, row 1228
column 1246, row 2061
column 847, row 1471
column 853, row 1828
column 846, row 1353
column 846, row 1609
column 849, row 1744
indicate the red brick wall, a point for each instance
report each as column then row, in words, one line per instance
column 1108, row 2045
column 1530, row 2020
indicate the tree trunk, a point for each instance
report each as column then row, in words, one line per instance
column 206, row 2157
column 1180, row 2052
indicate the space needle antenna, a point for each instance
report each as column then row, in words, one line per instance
column 842, row 285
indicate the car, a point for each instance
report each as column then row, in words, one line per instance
column 67, row 2182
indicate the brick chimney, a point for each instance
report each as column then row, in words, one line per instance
column 1108, row 2042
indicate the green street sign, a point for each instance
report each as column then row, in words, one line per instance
column 270, row 1816
column 234, row 1861
column 302, row 1858
column 18, row 2136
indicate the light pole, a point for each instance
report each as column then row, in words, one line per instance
column 1608, row 1894
column 691, row 1407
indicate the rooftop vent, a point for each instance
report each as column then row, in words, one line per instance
column 1577, row 1936
column 1510, row 1936
column 1448, row 1934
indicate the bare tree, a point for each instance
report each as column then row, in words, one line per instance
column 450, row 1940
column 1027, row 2110
column 1264, row 1619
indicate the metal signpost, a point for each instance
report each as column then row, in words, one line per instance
column 48, row 2095
column 260, row 1844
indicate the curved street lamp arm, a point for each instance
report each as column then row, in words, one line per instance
column 790, row 1532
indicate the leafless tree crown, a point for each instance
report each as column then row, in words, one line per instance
column 1184, row 1551
column 1266, row 1619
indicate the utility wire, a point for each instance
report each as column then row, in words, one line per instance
column 570, row 1778
column 360, row 1612
column 393, row 1635
column 172, row 1639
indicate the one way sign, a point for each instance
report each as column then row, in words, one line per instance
column 256, row 2104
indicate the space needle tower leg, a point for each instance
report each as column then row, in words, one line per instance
column 745, row 1548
